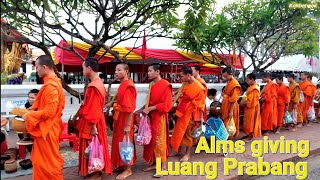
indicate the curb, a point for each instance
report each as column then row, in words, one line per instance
column 295, row 158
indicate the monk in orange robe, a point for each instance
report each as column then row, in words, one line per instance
column 123, row 119
column 283, row 100
column 269, row 107
column 306, row 88
column 91, row 118
column 189, row 109
column 314, row 90
column 252, row 118
column 45, row 125
column 231, row 95
column 160, row 103
column 196, row 75
column 294, row 96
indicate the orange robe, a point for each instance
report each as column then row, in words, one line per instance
column 91, row 112
column 126, row 104
column 161, row 97
column 231, row 95
column 252, row 118
column 283, row 98
column 306, row 87
column 294, row 96
column 204, row 84
column 269, row 106
column 45, row 126
column 314, row 89
column 189, row 108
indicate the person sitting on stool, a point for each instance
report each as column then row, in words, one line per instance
column 31, row 98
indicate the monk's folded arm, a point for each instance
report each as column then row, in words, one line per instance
column 165, row 104
column 50, row 109
column 129, row 106
column 267, row 97
column 91, row 105
column 234, row 95
column 296, row 99
column 252, row 101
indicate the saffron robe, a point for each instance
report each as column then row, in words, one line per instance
column 189, row 108
column 91, row 112
column 161, row 98
column 269, row 106
column 204, row 84
column 252, row 118
column 45, row 126
column 306, row 87
column 283, row 98
column 126, row 104
column 231, row 95
column 294, row 96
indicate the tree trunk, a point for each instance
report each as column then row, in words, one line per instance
column 244, row 71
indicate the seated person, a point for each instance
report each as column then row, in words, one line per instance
column 31, row 99
column 4, row 145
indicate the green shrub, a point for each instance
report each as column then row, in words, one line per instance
column 33, row 74
column 4, row 78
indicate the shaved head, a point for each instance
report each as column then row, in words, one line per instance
column 45, row 60
column 124, row 66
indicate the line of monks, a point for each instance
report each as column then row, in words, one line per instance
column 45, row 124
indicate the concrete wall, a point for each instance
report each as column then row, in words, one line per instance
column 16, row 95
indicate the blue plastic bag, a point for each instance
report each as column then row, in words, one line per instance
column 126, row 150
column 287, row 118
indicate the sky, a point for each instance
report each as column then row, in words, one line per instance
column 156, row 43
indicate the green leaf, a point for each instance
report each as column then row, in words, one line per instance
column 46, row 5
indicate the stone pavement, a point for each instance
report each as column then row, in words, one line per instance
column 311, row 133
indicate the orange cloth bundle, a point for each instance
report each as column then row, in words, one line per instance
column 19, row 111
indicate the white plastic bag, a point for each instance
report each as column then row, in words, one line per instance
column 294, row 116
column 301, row 96
column 311, row 114
column 126, row 150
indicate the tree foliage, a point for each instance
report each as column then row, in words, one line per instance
column 263, row 30
column 43, row 23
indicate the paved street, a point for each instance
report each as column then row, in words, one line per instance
column 311, row 133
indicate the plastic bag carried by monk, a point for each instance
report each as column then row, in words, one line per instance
column 231, row 127
column 126, row 150
column 144, row 132
column 96, row 160
column 294, row 116
column 287, row 118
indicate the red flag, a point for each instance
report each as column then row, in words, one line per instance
column 144, row 48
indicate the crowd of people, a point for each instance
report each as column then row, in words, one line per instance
column 44, row 123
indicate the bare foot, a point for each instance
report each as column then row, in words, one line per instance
column 278, row 131
column 124, row 174
column 294, row 129
column 299, row 125
column 185, row 158
column 150, row 168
